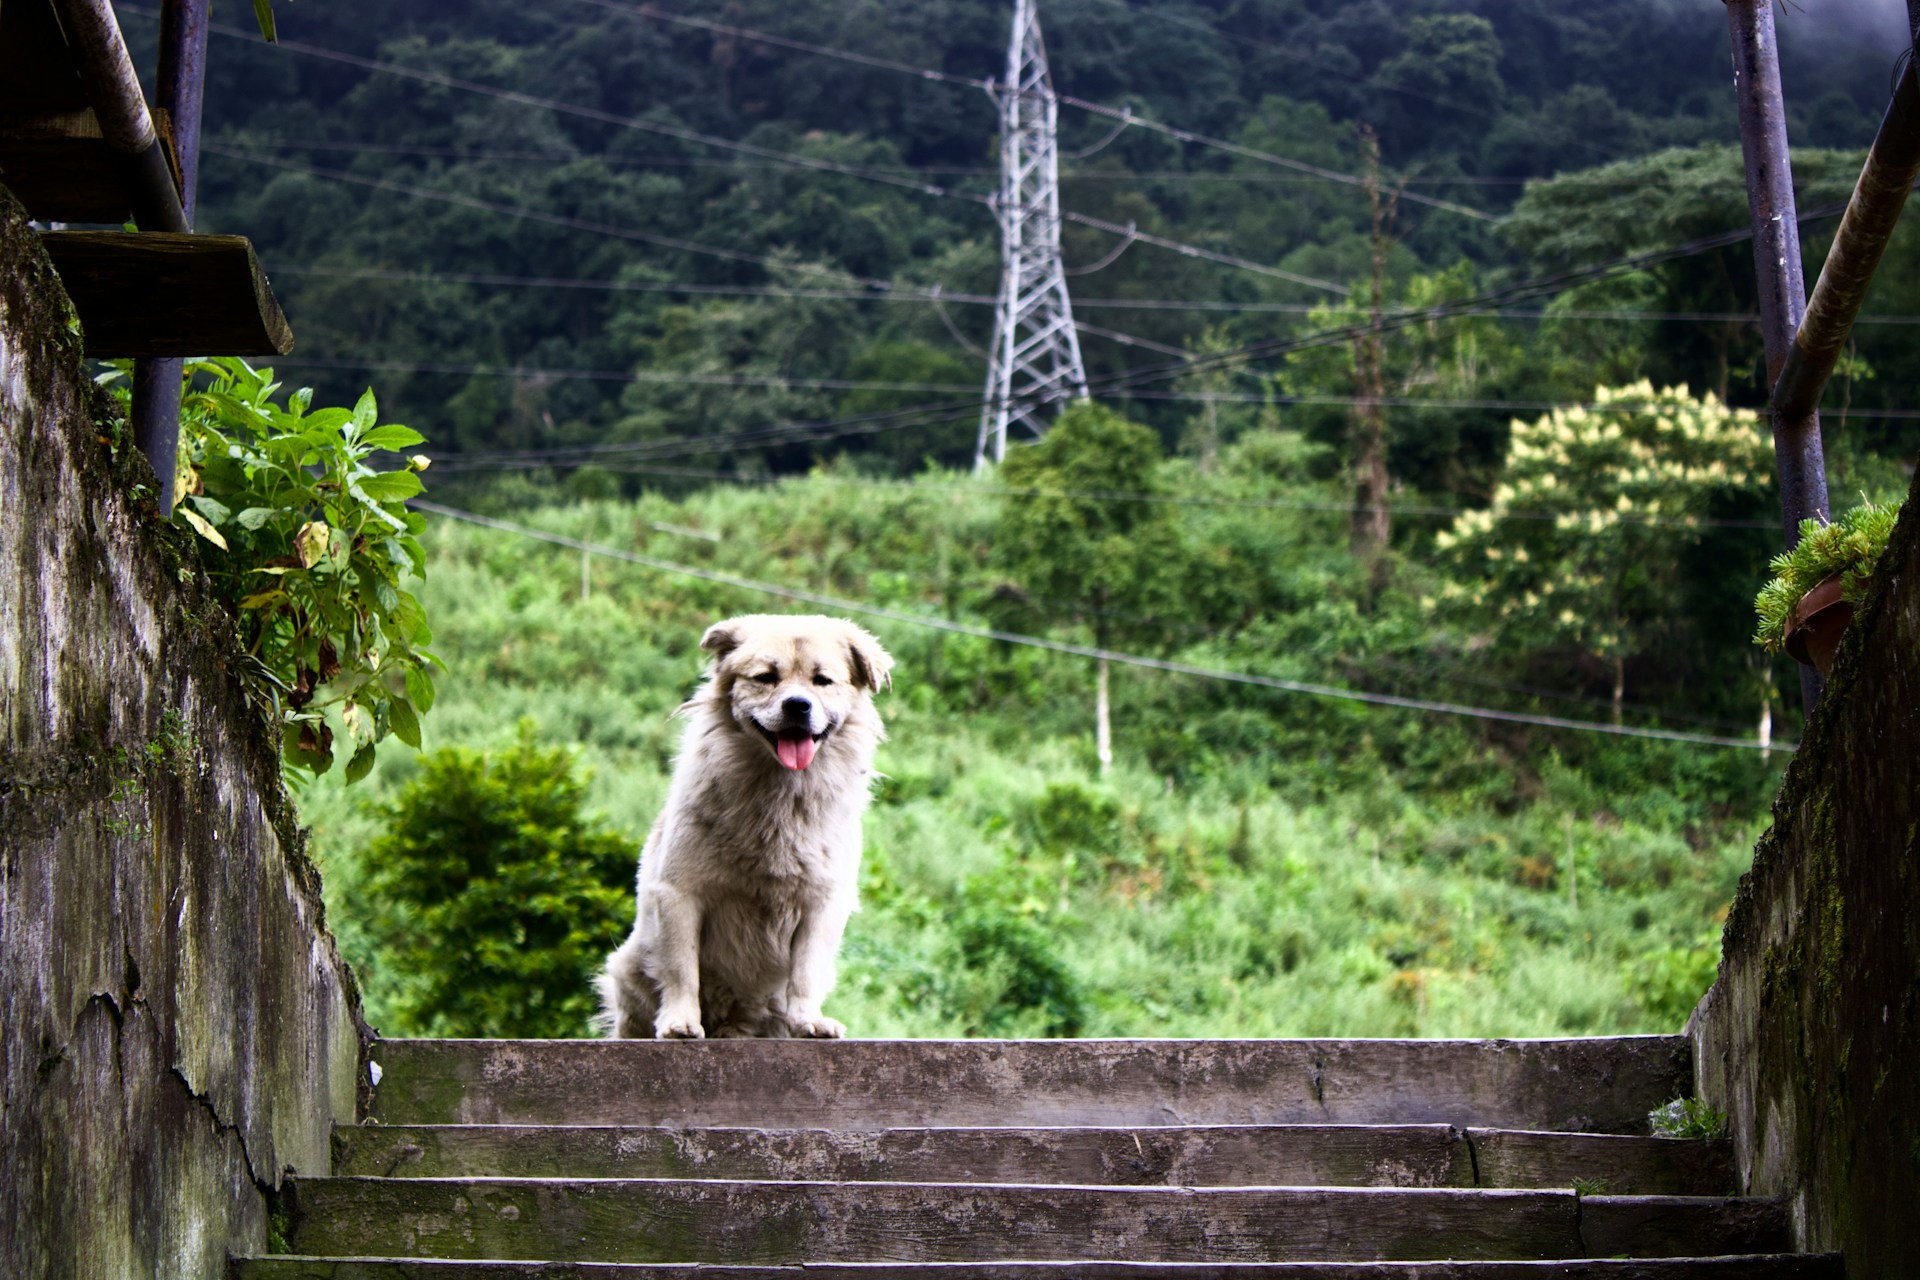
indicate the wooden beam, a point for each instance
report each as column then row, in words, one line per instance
column 161, row 294
column 61, row 169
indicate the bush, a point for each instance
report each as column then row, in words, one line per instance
column 1008, row 981
column 491, row 900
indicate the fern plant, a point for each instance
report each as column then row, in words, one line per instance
column 1847, row 548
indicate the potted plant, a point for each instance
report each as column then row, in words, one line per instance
column 1806, row 608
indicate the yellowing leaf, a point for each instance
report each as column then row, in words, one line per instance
column 201, row 527
column 311, row 542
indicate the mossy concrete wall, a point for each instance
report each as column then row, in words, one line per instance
column 1810, row 1039
column 178, row 1029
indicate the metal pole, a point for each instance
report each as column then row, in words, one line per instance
column 1881, row 193
column 180, row 83
column 1777, row 270
column 180, row 87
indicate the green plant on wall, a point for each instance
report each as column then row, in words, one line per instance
column 313, row 549
column 1847, row 549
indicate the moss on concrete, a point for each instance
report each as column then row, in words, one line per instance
column 1810, row 1039
column 180, row 1029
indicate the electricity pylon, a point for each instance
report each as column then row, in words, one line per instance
column 1034, row 365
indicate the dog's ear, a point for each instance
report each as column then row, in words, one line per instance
column 722, row 638
column 872, row 665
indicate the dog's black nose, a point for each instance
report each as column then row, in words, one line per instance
column 798, row 708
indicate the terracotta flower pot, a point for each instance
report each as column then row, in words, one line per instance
column 1818, row 622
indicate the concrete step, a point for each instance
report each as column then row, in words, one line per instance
column 1597, row 1085
column 1195, row 1156
column 1756, row 1267
column 787, row 1223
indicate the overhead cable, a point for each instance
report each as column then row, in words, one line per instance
column 1124, row 115
column 1089, row 651
column 934, row 294
column 586, row 113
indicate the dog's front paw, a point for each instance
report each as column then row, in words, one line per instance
column 677, row 1024
column 816, row 1026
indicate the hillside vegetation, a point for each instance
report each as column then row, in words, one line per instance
column 1472, row 428
column 1258, row 862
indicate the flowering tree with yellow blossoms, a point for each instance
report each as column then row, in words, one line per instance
column 1580, row 546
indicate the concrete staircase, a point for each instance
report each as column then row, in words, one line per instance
column 988, row 1160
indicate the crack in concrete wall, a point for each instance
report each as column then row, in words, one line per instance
column 180, row 1029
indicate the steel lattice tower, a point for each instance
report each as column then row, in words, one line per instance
column 1034, row 364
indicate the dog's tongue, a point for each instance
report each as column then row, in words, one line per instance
column 795, row 749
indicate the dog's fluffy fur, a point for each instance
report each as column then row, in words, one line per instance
column 753, row 865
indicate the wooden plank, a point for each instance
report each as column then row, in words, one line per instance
column 786, row 1223
column 1657, row 1226
column 1597, row 1085
column 62, row 170
column 1825, row 1266
column 1605, row 1163
column 36, row 68
column 159, row 294
column 1209, row 1156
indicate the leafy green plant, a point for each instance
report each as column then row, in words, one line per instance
column 314, row 550
column 1847, row 548
column 1007, row 979
column 1668, row 983
column 1687, row 1118
column 491, row 898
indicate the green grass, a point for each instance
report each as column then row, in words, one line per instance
column 1295, row 870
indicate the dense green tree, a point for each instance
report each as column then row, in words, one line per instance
column 491, row 899
column 1077, row 538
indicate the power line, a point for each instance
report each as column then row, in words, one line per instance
column 1194, row 251
column 494, row 280
column 585, row 113
column 1124, row 115
column 1398, row 319
column 1374, row 79
column 927, row 171
column 1269, row 157
column 1399, row 510
column 1088, row 651
column 551, row 219
column 779, row 381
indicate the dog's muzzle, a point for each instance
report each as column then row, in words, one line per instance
column 795, row 742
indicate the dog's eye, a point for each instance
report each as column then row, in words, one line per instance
column 768, row 677
column 823, row 680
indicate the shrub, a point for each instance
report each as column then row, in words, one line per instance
column 1667, row 984
column 1007, row 979
column 491, row 900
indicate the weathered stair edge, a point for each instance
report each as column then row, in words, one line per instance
column 1750, row 1267
column 1216, row 1155
column 781, row 1223
column 1595, row 1085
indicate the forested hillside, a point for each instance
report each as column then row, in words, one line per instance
column 711, row 285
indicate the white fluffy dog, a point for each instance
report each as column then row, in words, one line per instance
column 753, row 866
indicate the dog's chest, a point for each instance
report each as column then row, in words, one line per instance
column 788, row 841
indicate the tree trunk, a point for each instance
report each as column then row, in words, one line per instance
column 1372, row 527
column 1619, row 684
column 1102, row 724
